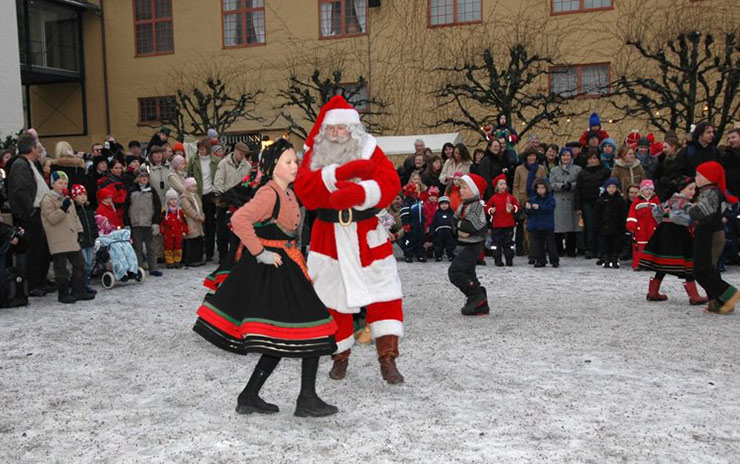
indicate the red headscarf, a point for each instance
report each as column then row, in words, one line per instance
column 715, row 173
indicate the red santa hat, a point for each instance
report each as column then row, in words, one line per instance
column 336, row 111
column 656, row 148
column 502, row 177
column 475, row 183
column 715, row 173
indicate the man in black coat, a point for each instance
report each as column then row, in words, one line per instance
column 701, row 149
column 26, row 188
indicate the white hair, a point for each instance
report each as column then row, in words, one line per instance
column 326, row 152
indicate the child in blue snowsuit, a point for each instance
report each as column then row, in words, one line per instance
column 412, row 216
column 541, row 224
column 441, row 230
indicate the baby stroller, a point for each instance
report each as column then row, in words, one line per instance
column 115, row 259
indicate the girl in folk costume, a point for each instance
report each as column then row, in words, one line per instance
column 502, row 207
column 173, row 228
column 641, row 221
column 267, row 304
column 670, row 250
column 709, row 240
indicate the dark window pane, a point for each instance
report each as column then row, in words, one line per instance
column 163, row 9
column 164, row 37
column 144, row 39
column 167, row 109
column 147, row 109
column 233, row 34
column 143, row 9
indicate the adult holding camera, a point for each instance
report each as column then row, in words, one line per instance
column 26, row 188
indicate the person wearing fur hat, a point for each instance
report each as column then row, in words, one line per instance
column 62, row 227
column 193, row 208
column 173, row 229
column 627, row 169
column 345, row 177
column 594, row 124
column 587, row 190
column 564, row 182
column 86, row 214
column 442, row 231
column 670, row 249
column 709, row 239
column 609, row 217
column 470, row 227
column 649, row 163
column 641, row 222
column 502, row 208
column 412, row 216
column 267, row 304
column 540, row 209
column 143, row 214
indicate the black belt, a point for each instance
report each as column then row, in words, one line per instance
column 345, row 216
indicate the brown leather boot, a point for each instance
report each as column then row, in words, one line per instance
column 339, row 368
column 387, row 347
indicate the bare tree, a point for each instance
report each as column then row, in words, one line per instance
column 306, row 96
column 513, row 86
column 212, row 94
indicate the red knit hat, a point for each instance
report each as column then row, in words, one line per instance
column 475, row 182
column 410, row 190
column 633, row 138
column 78, row 189
column 715, row 173
column 178, row 147
column 502, row 177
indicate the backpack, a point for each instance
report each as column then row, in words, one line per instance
column 14, row 291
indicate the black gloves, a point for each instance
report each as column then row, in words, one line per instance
column 66, row 204
column 566, row 187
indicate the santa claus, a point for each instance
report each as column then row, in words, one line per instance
column 347, row 179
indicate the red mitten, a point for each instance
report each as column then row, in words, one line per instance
column 407, row 228
column 357, row 169
column 348, row 195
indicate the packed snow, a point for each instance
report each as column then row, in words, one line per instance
column 572, row 365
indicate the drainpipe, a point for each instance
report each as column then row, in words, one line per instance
column 105, row 69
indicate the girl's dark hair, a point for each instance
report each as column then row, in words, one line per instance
column 430, row 169
column 464, row 153
column 554, row 147
column 270, row 157
column 444, row 147
column 116, row 160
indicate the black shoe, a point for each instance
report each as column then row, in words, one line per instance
column 606, row 265
column 531, row 261
column 177, row 265
column 408, row 259
column 438, row 259
column 313, row 406
column 481, row 262
column 615, row 264
column 50, row 287
column 589, row 256
column 499, row 263
column 421, row 259
column 155, row 273
column 599, row 262
column 539, row 264
column 509, row 262
column 249, row 400
column 555, row 264
column 451, row 258
column 66, row 298
column 84, row 296
column 91, row 290
column 477, row 303
column 37, row 292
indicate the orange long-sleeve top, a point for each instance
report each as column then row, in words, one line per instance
column 260, row 208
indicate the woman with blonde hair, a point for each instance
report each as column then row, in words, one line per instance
column 66, row 160
column 627, row 169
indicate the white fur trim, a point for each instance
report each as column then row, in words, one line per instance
column 631, row 220
column 386, row 327
column 372, row 194
column 344, row 345
column 368, row 146
column 469, row 180
column 344, row 285
column 329, row 176
column 341, row 116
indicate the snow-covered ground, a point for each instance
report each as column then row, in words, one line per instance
column 572, row 365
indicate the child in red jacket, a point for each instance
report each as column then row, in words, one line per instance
column 641, row 222
column 173, row 228
column 502, row 206
column 430, row 206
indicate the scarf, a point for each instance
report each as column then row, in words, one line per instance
column 531, row 176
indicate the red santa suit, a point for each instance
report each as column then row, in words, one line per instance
column 351, row 260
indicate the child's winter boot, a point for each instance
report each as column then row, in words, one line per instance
column 693, row 293
column 654, row 290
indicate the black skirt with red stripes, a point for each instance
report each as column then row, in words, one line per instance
column 670, row 250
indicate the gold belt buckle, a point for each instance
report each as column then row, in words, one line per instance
column 341, row 219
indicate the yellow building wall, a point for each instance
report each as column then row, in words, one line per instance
column 397, row 56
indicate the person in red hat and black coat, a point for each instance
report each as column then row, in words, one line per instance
column 471, row 225
column 709, row 240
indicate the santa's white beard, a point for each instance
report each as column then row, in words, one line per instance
column 328, row 152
